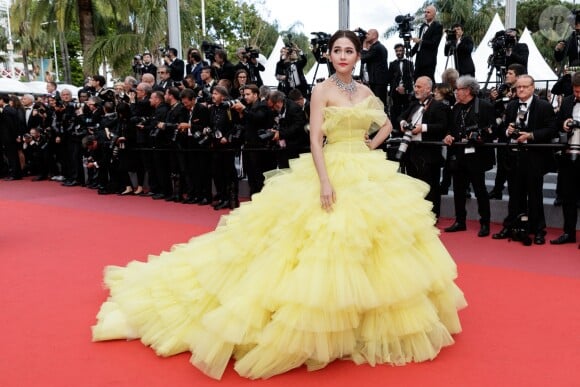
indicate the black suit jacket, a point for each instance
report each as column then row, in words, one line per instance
column 426, row 57
column 436, row 117
column 571, row 50
column 542, row 124
column 376, row 60
column 256, row 117
column 462, row 55
column 485, row 121
column 565, row 111
column 520, row 54
column 291, row 126
column 395, row 76
column 177, row 69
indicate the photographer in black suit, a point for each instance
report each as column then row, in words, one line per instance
column 569, row 173
column 473, row 122
column 289, row 130
column 518, row 53
column 427, row 44
column 570, row 47
column 425, row 120
column 400, row 81
column 528, row 120
column 374, row 65
column 257, row 118
column 461, row 47
column 176, row 65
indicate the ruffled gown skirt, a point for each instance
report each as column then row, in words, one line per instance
column 281, row 282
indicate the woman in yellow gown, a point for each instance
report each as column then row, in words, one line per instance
column 336, row 258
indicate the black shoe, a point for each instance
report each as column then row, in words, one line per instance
column 493, row 194
column 39, row 178
column 457, row 226
column 221, row 205
column 539, row 239
column 102, row 191
column 12, row 178
column 192, row 200
column 503, row 234
column 71, row 183
column 483, row 230
column 564, row 238
column 558, row 201
column 204, row 202
column 158, row 196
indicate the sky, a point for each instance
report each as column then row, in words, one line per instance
column 322, row 15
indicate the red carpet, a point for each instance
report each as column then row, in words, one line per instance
column 520, row 329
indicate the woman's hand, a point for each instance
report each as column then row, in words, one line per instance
column 327, row 196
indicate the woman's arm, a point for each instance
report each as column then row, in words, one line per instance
column 317, row 104
column 381, row 136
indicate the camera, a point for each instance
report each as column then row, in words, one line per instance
column 362, row 34
column 405, row 140
column 472, row 134
column 499, row 43
column 518, row 128
column 202, row 137
column 404, row 26
column 209, row 50
column 266, row 134
column 319, row 45
column 229, row 103
column 252, row 53
column 573, row 150
column 451, row 36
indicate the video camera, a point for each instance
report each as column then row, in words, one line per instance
column 252, row 53
column 209, row 50
column 362, row 34
column 319, row 45
column 499, row 44
column 404, row 26
column 451, row 36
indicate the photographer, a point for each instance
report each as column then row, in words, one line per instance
column 224, row 68
column 374, row 64
column 97, row 161
column 207, row 85
column 400, row 80
column 500, row 97
column 171, row 184
column 161, row 141
column 223, row 161
column 194, row 65
column 35, row 149
column 139, row 161
column 425, row 119
column 571, row 46
column 569, row 173
column 427, row 44
column 176, row 65
column 515, row 52
column 164, row 82
column 290, row 70
column 74, row 132
column 10, row 137
column 527, row 120
column 461, row 47
column 289, row 132
column 257, row 118
column 473, row 122
column 147, row 66
column 194, row 166
column 248, row 60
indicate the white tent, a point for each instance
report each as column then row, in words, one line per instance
column 484, row 50
column 8, row 85
column 269, row 75
column 537, row 66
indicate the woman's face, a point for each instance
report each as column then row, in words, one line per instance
column 343, row 55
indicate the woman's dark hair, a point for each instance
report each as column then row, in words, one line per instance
column 345, row 34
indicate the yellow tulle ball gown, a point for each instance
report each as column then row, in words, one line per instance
column 282, row 283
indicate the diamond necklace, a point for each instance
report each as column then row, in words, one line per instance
column 349, row 88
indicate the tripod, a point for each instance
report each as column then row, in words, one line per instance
column 500, row 70
column 330, row 71
column 451, row 53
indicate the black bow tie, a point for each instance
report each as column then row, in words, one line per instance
column 524, row 105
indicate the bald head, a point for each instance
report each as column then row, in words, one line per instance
column 148, row 78
column 430, row 12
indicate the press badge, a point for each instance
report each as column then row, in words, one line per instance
column 469, row 150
